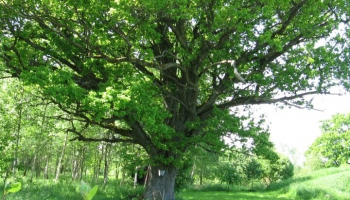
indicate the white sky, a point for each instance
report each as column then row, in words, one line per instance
column 298, row 128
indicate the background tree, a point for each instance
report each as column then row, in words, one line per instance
column 7, row 141
column 333, row 145
column 253, row 171
column 277, row 170
column 229, row 174
column 163, row 75
column 314, row 162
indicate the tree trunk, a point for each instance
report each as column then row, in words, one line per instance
column 33, row 168
column 82, row 163
column 97, row 165
column 160, row 187
column 193, row 171
column 75, row 168
column 59, row 164
column 18, row 133
column 136, row 175
column 106, row 165
column 46, row 170
column 124, row 174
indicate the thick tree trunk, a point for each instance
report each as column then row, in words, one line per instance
column 160, row 187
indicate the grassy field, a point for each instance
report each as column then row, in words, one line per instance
column 214, row 195
column 333, row 183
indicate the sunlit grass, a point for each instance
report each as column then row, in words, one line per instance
column 333, row 183
column 331, row 186
column 213, row 195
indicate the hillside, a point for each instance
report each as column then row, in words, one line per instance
column 332, row 183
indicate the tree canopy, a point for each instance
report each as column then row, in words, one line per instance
column 165, row 74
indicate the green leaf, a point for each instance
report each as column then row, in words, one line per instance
column 15, row 187
column 92, row 193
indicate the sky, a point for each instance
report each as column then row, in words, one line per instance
column 293, row 128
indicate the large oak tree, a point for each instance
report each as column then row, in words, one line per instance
column 164, row 74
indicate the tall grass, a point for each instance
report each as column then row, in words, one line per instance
column 65, row 189
column 333, row 183
column 326, row 184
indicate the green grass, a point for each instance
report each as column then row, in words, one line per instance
column 333, row 183
column 65, row 189
column 214, row 195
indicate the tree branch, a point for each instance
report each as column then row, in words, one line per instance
column 80, row 137
column 261, row 100
column 214, row 64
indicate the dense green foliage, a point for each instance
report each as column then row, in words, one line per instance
column 253, row 171
column 164, row 75
column 277, row 170
column 332, row 147
column 229, row 174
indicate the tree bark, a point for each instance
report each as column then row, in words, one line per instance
column 136, row 175
column 59, row 164
column 75, row 168
column 99, row 151
column 193, row 171
column 18, row 133
column 46, row 170
column 33, row 168
column 106, row 165
column 160, row 187
column 82, row 162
